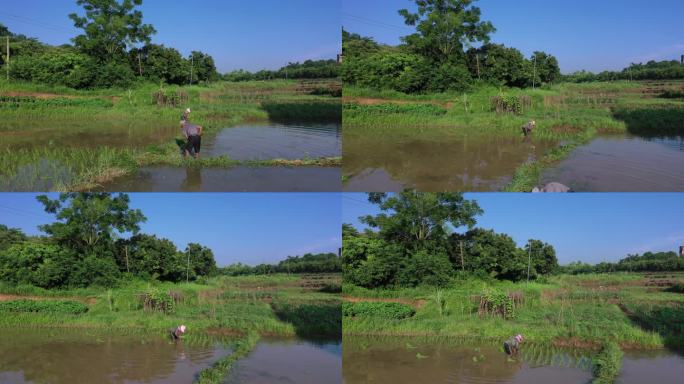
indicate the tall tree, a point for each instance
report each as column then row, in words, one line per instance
column 87, row 222
column 201, row 259
column 420, row 220
column 445, row 27
column 110, row 28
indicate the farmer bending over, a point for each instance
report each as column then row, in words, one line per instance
column 178, row 332
column 511, row 345
column 529, row 127
column 192, row 133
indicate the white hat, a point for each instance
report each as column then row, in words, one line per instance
column 182, row 328
column 187, row 110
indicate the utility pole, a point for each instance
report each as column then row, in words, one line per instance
column 7, row 63
column 139, row 64
column 462, row 262
column 477, row 59
column 529, row 260
column 192, row 65
column 534, row 75
column 187, row 270
column 126, row 251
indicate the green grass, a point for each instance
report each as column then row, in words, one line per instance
column 396, row 311
column 583, row 311
column 606, row 364
column 82, row 139
column 220, row 369
column 571, row 114
column 223, row 305
column 43, row 306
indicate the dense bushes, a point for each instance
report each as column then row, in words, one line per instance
column 44, row 306
column 384, row 109
column 384, row 310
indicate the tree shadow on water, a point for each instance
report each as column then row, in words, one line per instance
column 313, row 322
column 665, row 121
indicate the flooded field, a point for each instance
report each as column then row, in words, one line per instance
column 86, row 134
column 59, row 356
column 408, row 361
column 454, row 164
column 276, row 141
column 623, row 163
column 237, row 179
column 290, row 361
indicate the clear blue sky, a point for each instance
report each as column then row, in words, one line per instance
column 591, row 227
column 594, row 35
column 250, row 228
column 263, row 34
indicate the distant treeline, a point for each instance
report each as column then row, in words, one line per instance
column 648, row 262
column 662, row 70
column 115, row 49
column 310, row 69
column 81, row 247
column 308, row 263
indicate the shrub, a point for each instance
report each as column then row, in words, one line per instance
column 427, row 268
column 157, row 300
column 395, row 311
column 496, row 303
column 383, row 109
column 44, row 306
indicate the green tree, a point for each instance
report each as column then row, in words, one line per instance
column 421, row 220
column 86, row 222
column 426, row 268
column 543, row 256
column 491, row 253
column 203, row 67
column 152, row 258
column 10, row 236
column 354, row 45
column 110, row 28
column 159, row 63
column 370, row 262
column 201, row 258
column 42, row 265
column 547, row 68
column 445, row 27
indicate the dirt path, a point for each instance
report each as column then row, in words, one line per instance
column 87, row 300
column 417, row 304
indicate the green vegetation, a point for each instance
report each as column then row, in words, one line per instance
column 221, row 368
column 44, row 306
column 648, row 262
column 309, row 69
column 414, row 244
column 607, row 364
column 418, row 241
column 396, row 311
column 308, row 263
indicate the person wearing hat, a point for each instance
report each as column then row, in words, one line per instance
column 192, row 133
column 512, row 345
column 178, row 332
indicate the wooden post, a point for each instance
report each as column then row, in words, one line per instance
column 187, row 271
column 477, row 59
column 127, row 268
column 534, row 73
column 192, row 65
column 7, row 63
column 139, row 64
column 462, row 261
column 529, row 260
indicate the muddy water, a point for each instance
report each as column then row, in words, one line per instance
column 290, row 361
column 623, row 163
column 237, row 179
column 276, row 141
column 86, row 134
column 455, row 164
column 408, row 361
column 56, row 357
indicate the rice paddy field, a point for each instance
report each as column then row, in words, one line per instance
column 226, row 318
column 57, row 138
column 419, row 138
column 575, row 328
